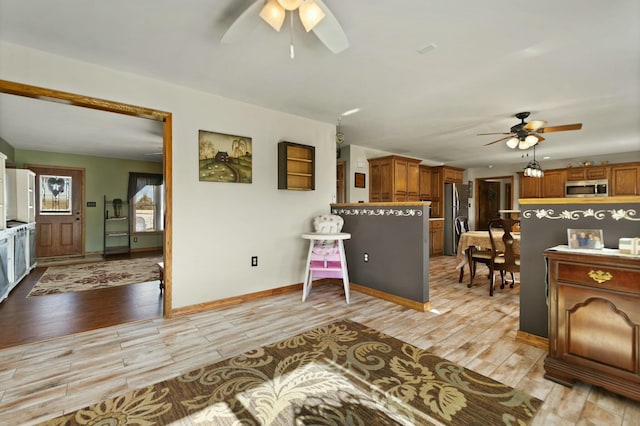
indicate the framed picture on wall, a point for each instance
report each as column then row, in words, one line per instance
column 224, row 158
column 360, row 180
column 585, row 239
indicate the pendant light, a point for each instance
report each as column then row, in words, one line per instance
column 534, row 169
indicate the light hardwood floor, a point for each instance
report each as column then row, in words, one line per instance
column 43, row 380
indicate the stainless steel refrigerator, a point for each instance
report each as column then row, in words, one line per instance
column 456, row 203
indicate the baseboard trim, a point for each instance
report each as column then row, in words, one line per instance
column 532, row 340
column 407, row 303
column 236, row 300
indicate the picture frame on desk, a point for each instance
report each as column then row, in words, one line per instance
column 591, row 239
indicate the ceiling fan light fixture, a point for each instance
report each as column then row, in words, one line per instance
column 531, row 140
column 290, row 4
column 523, row 144
column 273, row 14
column 310, row 14
column 513, row 142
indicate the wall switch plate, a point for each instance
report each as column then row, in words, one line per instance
column 366, row 257
column 254, row 260
column 135, row 239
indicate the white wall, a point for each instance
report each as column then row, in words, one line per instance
column 217, row 227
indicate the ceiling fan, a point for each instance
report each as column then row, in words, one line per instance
column 525, row 135
column 314, row 15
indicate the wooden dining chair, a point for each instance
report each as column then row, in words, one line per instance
column 504, row 260
column 461, row 226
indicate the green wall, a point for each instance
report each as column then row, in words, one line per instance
column 103, row 176
column 7, row 150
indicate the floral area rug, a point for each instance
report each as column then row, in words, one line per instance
column 340, row 374
column 90, row 276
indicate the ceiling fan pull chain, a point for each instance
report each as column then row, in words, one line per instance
column 292, row 53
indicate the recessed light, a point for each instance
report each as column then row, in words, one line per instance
column 490, row 166
column 351, row 111
column 428, row 48
column 546, row 157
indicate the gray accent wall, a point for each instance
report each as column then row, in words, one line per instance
column 544, row 226
column 396, row 240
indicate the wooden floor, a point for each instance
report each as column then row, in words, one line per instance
column 42, row 380
column 26, row 320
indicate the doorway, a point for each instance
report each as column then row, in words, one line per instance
column 341, row 193
column 493, row 194
column 59, row 210
column 50, row 95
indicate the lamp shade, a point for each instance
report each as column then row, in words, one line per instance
column 513, row 142
column 310, row 14
column 273, row 14
column 290, row 4
column 531, row 140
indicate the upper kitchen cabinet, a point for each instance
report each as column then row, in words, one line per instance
column 625, row 179
column 425, row 182
column 553, row 183
column 451, row 174
column 530, row 187
column 587, row 173
column 394, row 178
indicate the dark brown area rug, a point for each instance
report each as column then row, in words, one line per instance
column 340, row 374
column 91, row 276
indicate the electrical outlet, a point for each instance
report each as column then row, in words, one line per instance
column 366, row 257
column 135, row 239
column 254, row 260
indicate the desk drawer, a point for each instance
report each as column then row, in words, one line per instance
column 600, row 276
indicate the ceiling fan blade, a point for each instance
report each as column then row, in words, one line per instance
column 502, row 133
column 499, row 140
column 329, row 31
column 563, row 128
column 244, row 24
column 534, row 125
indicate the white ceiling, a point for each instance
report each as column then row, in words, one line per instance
column 565, row 61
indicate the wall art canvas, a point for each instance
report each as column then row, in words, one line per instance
column 585, row 239
column 55, row 195
column 224, row 158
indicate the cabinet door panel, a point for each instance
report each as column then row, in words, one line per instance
column 413, row 180
column 400, row 177
column 425, row 182
column 593, row 329
column 625, row 180
column 553, row 184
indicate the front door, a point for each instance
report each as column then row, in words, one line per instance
column 488, row 203
column 59, row 211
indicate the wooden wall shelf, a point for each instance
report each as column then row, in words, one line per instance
column 296, row 166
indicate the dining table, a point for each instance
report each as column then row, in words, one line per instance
column 481, row 240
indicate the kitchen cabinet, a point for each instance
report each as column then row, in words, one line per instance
column 424, row 173
column 553, row 183
column 21, row 193
column 625, row 179
column 436, row 238
column 116, row 227
column 587, row 173
column 296, row 166
column 3, row 214
column 394, row 178
column 452, row 174
column 594, row 320
column 530, row 187
column 437, row 192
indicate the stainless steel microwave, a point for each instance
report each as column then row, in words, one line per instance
column 587, row 188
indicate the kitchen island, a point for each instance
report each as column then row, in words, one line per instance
column 388, row 253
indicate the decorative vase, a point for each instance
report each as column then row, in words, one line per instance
column 117, row 207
